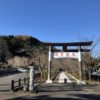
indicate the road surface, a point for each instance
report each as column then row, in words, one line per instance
column 5, row 82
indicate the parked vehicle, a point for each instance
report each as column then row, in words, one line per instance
column 96, row 73
column 22, row 70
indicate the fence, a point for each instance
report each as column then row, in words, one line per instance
column 20, row 83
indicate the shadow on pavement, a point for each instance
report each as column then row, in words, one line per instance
column 46, row 97
column 8, row 74
column 43, row 97
column 89, row 96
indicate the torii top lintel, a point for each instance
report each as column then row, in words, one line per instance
column 65, row 45
column 69, row 44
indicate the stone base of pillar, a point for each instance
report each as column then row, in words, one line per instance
column 49, row 81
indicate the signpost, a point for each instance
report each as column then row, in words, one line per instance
column 56, row 55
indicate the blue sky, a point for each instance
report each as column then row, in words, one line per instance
column 51, row 20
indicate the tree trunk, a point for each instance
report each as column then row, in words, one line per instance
column 90, row 75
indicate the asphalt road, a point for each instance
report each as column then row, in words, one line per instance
column 60, row 95
column 88, row 93
column 5, row 82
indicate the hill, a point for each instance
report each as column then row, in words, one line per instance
column 22, row 51
column 18, row 46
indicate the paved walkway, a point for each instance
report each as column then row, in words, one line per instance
column 64, row 78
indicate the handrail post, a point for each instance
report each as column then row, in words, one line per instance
column 24, row 80
column 25, row 86
column 12, row 85
column 19, row 83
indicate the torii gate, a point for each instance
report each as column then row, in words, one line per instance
column 67, row 53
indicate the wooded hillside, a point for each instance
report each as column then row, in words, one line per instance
column 22, row 51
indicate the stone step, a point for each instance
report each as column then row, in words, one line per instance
column 74, row 82
column 58, row 87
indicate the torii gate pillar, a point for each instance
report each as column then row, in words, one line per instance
column 49, row 80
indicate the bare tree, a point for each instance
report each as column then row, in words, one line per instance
column 89, row 59
column 39, row 56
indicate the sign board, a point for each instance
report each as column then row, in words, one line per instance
column 65, row 55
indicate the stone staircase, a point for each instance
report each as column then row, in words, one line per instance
column 56, row 80
column 72, row 79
